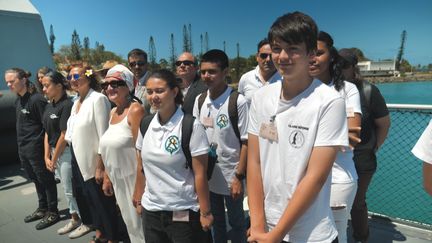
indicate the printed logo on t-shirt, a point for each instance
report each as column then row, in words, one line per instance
column 53, row 116
column 172, row 144
column 296, row 139
column 222, row 121
column 24, row 111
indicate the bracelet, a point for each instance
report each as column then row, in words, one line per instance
column 205, row 214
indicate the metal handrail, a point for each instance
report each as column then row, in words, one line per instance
column 410, row 106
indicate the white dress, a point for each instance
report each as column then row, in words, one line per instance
column 118, row 154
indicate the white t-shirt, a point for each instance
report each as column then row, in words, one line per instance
column 423, row 147
column 222, row 133
column 344, row 170
column 170, row 185
column 250, row 82
column 316, row 117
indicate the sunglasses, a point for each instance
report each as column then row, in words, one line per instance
column 139, row 63
column 186, row 63
column 114, row 84
column 264, row 55
column 74, row 76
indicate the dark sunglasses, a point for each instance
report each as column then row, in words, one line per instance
column 139, row 63
column 264, row 55
column 74, row 76
column 186, row 63
column 114, row 84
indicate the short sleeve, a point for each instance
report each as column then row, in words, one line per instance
column 195, row 111
column 332, row 127
column 253, row 121
column 199, row 144
column 353, row 97
column 423, row 147
column 139, row 141
column 378, row 104
column 243, row 119
column 64, row 116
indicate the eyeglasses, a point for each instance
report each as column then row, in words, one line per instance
column 75, row 76
column 264, row 55
column 139, row 63
column 114, row 84
column 185, row 62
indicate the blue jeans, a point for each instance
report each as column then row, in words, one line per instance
column 64, row 168
column 236, row 218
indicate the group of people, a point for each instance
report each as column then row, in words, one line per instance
column 172, row 151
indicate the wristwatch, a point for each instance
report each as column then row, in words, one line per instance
column 239, row 176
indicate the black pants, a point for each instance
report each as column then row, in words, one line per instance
column 102, row 208
column 43, row 180
column 159, row 227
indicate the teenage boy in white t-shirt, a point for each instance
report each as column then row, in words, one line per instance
column 296, row 127
column 226, row 183
column 423, row 151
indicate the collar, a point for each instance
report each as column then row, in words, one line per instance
column 142, row 81
column 170, row 125
column 275, row 77
column 60, row 100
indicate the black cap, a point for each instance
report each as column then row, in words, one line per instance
column 349, row 56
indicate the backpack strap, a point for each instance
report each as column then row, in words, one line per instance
column 145, row 123
column 187, row 128
column 201, row 100
column 233, row 113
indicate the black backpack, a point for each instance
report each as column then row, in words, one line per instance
column 187, row 128
column 232, row 110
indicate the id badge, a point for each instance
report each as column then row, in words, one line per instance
column 269, row 131
column 181, row 216
column 207, row 121
column 350, row 111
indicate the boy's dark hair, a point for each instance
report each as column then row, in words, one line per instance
column 137, row 52
column 264, row 41
column 216, row 56
column 295, row 28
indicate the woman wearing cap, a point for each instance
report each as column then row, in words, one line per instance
column 327, row 68
column 117, row 146
column 57, row 153
column 176, row 205
column 86, row 125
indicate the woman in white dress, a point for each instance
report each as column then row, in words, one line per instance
column 117, row 146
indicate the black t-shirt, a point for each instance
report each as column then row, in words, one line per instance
column 30, row 132
column 377, row 108
column 55, row 118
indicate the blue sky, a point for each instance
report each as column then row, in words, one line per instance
column 374, row 26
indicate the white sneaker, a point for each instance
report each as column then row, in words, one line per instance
column 80, row 231
column 71, row 225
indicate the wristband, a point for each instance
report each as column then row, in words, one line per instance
column 239, row 176
column 205, row 214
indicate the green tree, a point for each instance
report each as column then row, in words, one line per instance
column 173, row 56
column 75, row 47
column 52, row 39
column 163, row 63
column 186, row 41
column 401, row 51
column 190, row 38
column 206, row 42
column 86, row 49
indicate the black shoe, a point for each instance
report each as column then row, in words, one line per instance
column 49, row 219
column 36, row 215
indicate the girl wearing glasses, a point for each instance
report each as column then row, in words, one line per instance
column 175, row 198
column 117, row 146
column 328, row 68
column 86, row 125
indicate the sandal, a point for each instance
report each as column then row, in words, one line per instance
column 98, row 240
